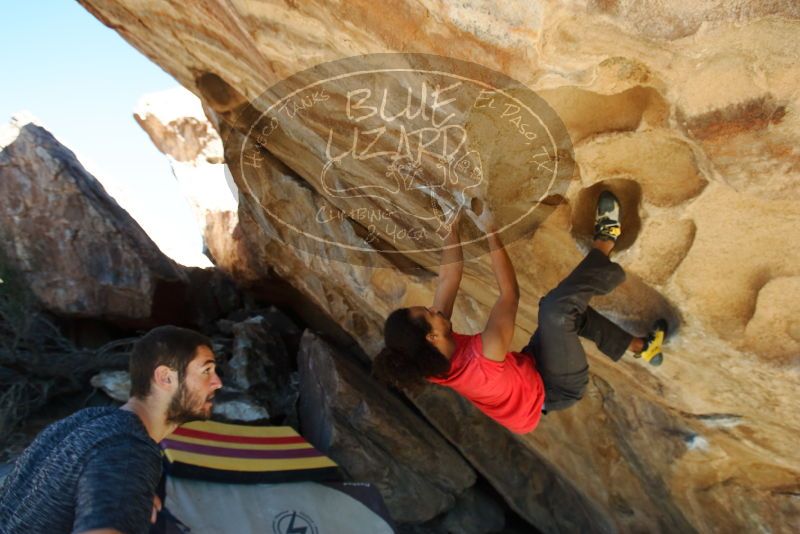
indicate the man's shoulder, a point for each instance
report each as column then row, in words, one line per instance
column 61, row 429
column 85, row 415
column 79, row 417
column 109, row 444
column 114, row 423
column 93, row 427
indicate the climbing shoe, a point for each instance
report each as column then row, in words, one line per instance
column 606, row 221
column 651, row 353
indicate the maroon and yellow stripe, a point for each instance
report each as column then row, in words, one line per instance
column 242, row 448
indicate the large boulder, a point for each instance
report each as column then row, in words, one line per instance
column 531, row 487
column 688, row 111
column 374, row 437
column 81, row 254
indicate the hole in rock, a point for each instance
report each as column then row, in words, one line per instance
column 586, row 113
column 476, row 205
column 629, row 194
column 219, row 93
column 170, row 304
column 553, row 200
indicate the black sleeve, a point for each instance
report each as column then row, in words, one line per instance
column 116, row 488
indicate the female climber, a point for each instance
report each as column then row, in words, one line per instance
column 551, row 372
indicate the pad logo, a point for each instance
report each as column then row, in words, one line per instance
column 293, row 522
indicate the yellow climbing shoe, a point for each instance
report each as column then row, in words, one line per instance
column 651, row 353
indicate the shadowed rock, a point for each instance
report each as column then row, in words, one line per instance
column 374, row 437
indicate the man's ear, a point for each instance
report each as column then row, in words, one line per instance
column 431, row 337
column 164, row 377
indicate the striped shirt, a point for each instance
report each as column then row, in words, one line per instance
column 97, row 468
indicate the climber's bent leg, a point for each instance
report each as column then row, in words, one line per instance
column 555, row 346
column 612, row 340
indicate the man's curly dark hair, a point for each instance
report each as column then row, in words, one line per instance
column 408, row 357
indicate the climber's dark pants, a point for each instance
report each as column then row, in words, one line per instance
column 564, row 314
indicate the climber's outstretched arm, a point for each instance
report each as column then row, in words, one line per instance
column 499, row 330
column 451, row 269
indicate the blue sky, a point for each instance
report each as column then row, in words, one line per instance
column 82, row 80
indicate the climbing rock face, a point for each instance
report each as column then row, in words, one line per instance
column 81, row 254
column 687, row 111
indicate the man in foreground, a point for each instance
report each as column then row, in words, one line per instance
column 97, row 470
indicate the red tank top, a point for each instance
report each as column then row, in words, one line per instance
column 511, row 392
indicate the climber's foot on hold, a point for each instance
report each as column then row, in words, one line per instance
column 651, row 351
column 607, row 227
